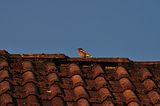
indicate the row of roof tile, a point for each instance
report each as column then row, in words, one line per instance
column 74, row 84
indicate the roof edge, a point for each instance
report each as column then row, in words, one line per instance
column 147, row 62
column 104, row 59
column 4, row 53
column 38, row 56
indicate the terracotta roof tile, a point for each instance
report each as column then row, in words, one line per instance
column 57, row 101
column 104, row 93
column 50, row 67
column 52, row 78
column 30, row 88
column 121, row 72
column 149, row 84
column 100, row 82
column 58, row 80
column 97, row 70
column 5, row 99
column 154, row 96
column 129, row 96
column 54, row 90
column 145, row 74
column 4, row 75
column 107, row 103
column 74, row 69
column 125, row 83
column 133, row 104
column 82, row 102
column 79, row 92
column 32, row 100
column 28, row 77
column 77, row 80
column 27, row 66
column 4, row 87
column 3, row 64
column 158, row 104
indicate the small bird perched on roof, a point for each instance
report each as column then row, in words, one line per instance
column 83, row 53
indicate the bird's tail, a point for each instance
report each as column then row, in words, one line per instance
column 88, row 55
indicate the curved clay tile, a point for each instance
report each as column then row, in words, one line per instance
column 154, row 96
column 107, row 103
column 76, row 80
column 145, row 74
column 27, row 66
column 104, row 93
column 133, row 104
column 82, row 102
column 3, row 64
column 57, row 101
column 3, row 75
column 28, row 76
column 158, row 104
column 79, row 91
column 52, row 78
column 30, row 88
column 54, row 90
column 50, row 67
column 97, row 70
column 5, row 99
column 32, row 100
column 74, row 69
column 125, row 83
column 121, row 72
column 100, row 82
column 129, row 95
column 149, row 84
column 4, row 86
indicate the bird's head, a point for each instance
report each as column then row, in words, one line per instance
column 79, row 49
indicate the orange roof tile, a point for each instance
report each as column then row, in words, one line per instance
column 58, row 80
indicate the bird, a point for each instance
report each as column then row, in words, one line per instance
column 82, row 53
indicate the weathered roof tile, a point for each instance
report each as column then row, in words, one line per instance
column 100, row 82
column 30, row 88
column 3, row 75
column 145, row 74
column 121, row 72
column 50, row 67
column 154, row 96
column 28, row 77
column 74, row 69
column 58, row 80
column 52, row 78
column 133, row 104
column 79, row 92
column 104, row 93
column 77, row 80
column 3, row 64
column 32, row 100
column 82, row 102
column 107, row 103
column 27, row 66
column 125, row 83
column 129, row 96
column 97, row 70
column 149, row 84
column 5, row 99
column 4, row 86
column 57, row 101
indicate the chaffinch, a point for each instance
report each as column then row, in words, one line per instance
column 83, row 53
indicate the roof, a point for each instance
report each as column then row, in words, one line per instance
column 59, row 80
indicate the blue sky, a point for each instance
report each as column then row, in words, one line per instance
column 105, row 28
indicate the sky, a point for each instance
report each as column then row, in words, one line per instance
column 104, row 28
